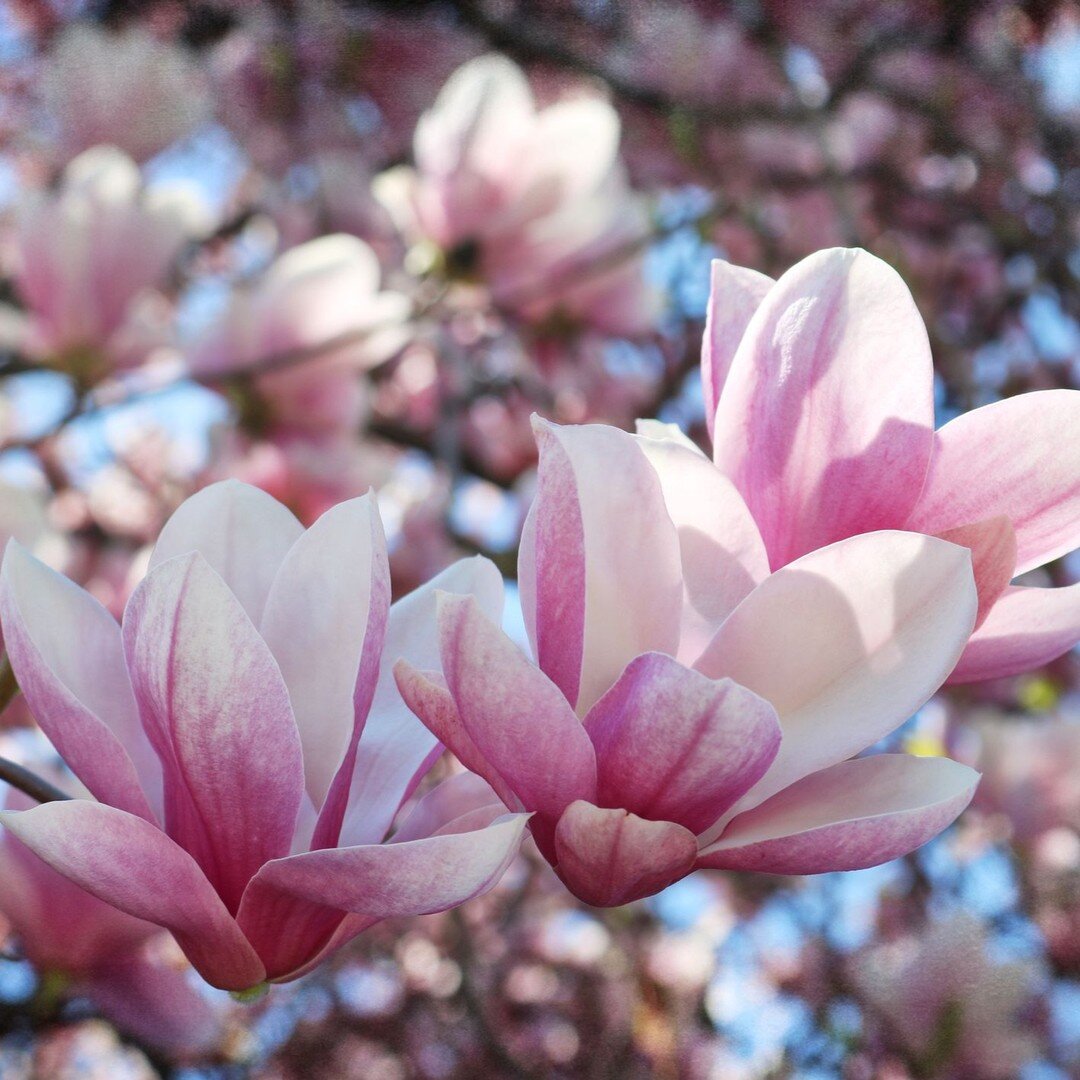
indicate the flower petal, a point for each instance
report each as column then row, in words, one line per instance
column 65, row 651
column 242, row 532
column 1026, row 629
column 735, row 293
column 1019, row 457
column 846, row 643
column 600, row 522
column 610, row 857
column 853, row 815
column 992, row 544
column 325, row 622
column 216, row 709
column 395, row 748
column 672, row 745
column 826, row 420
column 459, row 795
column 132, row 865
column 723, row 555
column 516, row 717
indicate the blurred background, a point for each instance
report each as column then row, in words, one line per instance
column 326, row 246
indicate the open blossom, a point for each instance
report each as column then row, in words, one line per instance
column 960, row 1015
column 244, row 739
column 91, row 255
column 316, row 294
column 819, row 396
column 686, row 708
column 122, row 88
column 531, row 201
column 111, row 958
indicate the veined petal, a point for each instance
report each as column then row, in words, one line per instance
column 735, row 293
column 132, row 865
column 325, row 622
column 454, row 798
column 600, row 523
column 610, row 857
column 216, row 709
column 66, row 653
column 672, row 745
column 395, row 748
column 846, row 643
column 988, row 462
column 242, row 532
column 723, row 555
column 1025, row 629
column 856, row 814
column 826, row 420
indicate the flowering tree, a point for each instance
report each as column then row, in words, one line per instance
column 540, row 539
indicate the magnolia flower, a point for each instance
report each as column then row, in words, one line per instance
column 959, row 1015
column 90, row 256
column 532, row 201
column 100, row 953
column 819, row 396
column 244, row 740
column 126, row 88
column 685, row 708
column 322, row 293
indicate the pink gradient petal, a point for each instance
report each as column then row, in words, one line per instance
column 992, row 544
column 242, row 532
column 66, row 653
column 994, row 460
column 830, row 392
column 325, row 621
column 723, row 555
column 217, row 711
column 396, row 749
column 131, row 864
column 672, row 745
column 585, row 631
column 1026, row 629
column 846, row 643
column 735, row 293
column 516, row 717
column 610, row 857
column 853, row 815
column 446, row 803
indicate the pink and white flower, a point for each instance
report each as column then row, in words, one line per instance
column 244, row 740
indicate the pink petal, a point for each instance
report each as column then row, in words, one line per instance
column 853, row 815
column 516, row 717
column 826, row 420
column 610, row 857
column 217, row 711
column 600, row 522
column 1026, row 629
column 242, row 532
column 395, row 748
column 129, row 863
column 66, row 653
column 325, row 622
column 735, row 294
column 992, row 544
column 672, row 745
column 846, row 643
column 1019, row 457
column 454, row 798
column 723, row 555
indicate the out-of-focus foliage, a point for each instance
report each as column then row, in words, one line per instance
column 330, row 246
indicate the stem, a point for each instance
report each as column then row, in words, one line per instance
column 29, row 783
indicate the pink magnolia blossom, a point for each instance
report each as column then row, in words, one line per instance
column 685, row 708
column 90, row 257
column 960, row 1015
column 819, row 397
column 533, row 201
column 99, row 952
column 244, row 738
column 320, row 293
column 122, row 88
